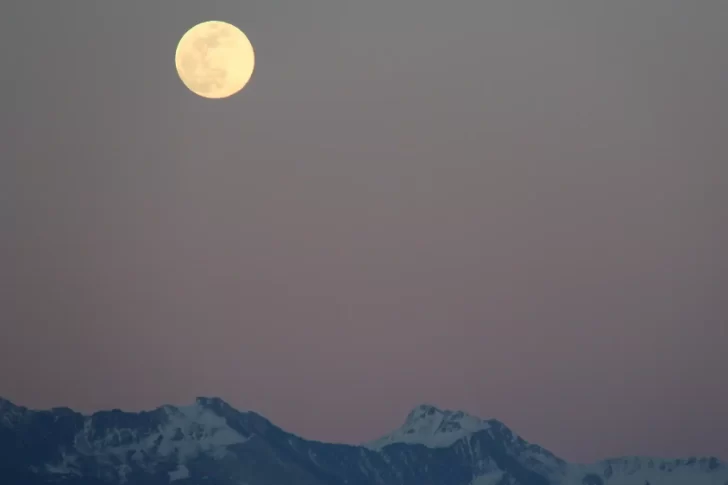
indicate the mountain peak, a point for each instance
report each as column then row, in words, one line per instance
column 421, row 411
column 427, row 412
column 209, row 441
column 210, row 401
column 432, row 427
column 6, row 404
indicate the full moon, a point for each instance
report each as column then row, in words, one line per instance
column 215, row 59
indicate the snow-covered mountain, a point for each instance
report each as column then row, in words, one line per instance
column 209, row 442
column 429, row 426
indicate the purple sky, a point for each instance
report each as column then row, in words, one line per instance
column 517, row 209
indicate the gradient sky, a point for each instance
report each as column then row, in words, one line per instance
column 514, row 208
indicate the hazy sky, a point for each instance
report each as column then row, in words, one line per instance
column 514, row 208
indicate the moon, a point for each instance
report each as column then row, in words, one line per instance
column 215, row 59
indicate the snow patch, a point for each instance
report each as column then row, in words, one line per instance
column 192, row 430
column 432, row 427
column 186, row 433
column 178, row 474
column 492, row 478
column 641, row 470
column 67, row 466
column 123, row 471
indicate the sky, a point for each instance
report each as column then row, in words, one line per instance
column 513, row 208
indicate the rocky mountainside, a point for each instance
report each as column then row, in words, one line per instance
column 211, row 443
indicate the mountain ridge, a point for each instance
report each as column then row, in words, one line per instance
column 212, row 439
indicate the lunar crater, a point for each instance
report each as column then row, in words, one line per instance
column 215, row 59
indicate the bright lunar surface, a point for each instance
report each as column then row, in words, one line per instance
column 215, row 59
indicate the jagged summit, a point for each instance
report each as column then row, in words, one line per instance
column 428, row 412
column 422, row 410
column 6, row 404
column 208, row 402
column 211, row 401
column 432, row 427
column 215, row 403
column 210, row 441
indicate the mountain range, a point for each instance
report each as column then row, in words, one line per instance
column 211, row 443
